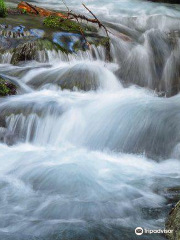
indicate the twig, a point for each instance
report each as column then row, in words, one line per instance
column 76, row 18
column 31, row 6
column 94, row 20
column 97, row 20
column 64, row 2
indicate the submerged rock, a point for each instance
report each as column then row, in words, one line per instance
column 24, row 52
column 81, row 77
column 173, row 223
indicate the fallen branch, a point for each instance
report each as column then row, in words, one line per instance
column 97, row 20
column 29, row 8
column 94, row 20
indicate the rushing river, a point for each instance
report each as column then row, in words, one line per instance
column 94, row 165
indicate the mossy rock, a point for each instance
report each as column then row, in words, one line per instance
column 173, row 223
column 67, row 25
column 6, row 88
column 3, row 9
column 28, row 51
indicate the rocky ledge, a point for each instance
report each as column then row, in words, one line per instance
column 173, row 223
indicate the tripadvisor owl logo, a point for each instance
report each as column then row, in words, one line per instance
column 138, row 231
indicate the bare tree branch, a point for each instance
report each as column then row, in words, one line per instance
column 97, row 20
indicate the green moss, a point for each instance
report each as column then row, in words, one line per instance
column 49, row 45
column 4, row 90
column 67, row 24
column 3, row 9
column 104, row 41
column 24, row 11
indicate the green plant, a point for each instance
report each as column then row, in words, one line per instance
column 24, row 11
column 67, row 24
column 6, row 88
column 63, row 24
column 3, row 9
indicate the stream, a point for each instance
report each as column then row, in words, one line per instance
column 94, row 164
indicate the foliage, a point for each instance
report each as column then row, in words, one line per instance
column 24, row 11
column 3, row 9
column 63, row 24
column 6, row 88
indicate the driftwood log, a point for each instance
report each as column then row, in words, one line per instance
column 29, row 8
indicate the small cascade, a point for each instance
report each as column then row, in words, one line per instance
column 5, row 58
column 94, row 53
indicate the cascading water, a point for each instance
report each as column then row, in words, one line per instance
column 92, row 162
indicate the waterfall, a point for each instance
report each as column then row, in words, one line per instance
column 5, row 58
column 90, row 147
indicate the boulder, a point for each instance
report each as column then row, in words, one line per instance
column 24, row 52
column 173, row 223
column 29, row 50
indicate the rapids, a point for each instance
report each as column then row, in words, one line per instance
column 89, row 147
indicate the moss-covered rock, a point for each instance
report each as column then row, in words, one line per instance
column 173, row 223
column 28, row 50
column 6, row 88
column 82, row 76
column 24, row 52
column 67, row 24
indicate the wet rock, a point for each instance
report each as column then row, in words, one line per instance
column 37, row 33
column 80, row 78
column 24, row 52
column 2, row 122
column 173, row 223
column 24, row 43
column 70, row 41
column 19, row 32
column 29, row 51
column 6, row 88
column 172, row 194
